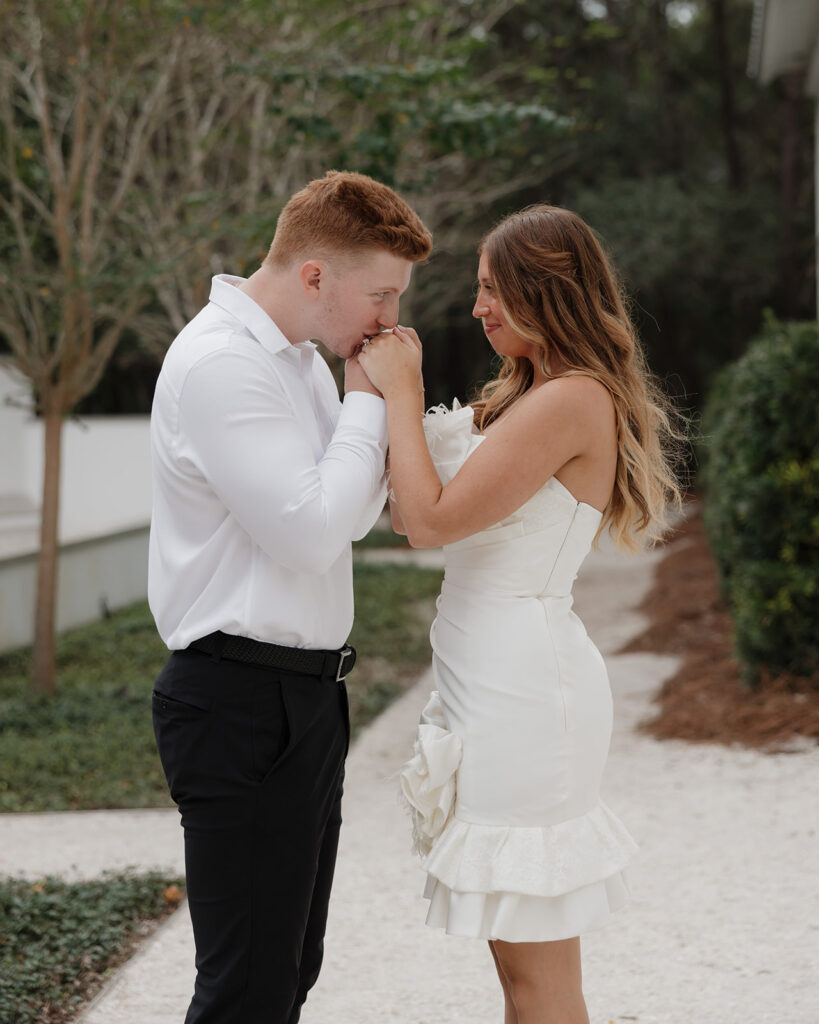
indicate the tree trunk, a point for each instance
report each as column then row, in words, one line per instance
column 45, row 613
column 724, row 68
column 666, row 111
column 793, row 144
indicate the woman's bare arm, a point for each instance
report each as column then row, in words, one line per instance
column 553, row 424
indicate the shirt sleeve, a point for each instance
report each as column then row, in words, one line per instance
column 239, row 430
column 375, row 409
column 372, row 511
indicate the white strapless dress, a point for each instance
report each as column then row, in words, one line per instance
column 504, row 781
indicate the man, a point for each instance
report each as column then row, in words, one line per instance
column 261, row 480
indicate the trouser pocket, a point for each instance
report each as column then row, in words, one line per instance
column 345, row 711
column 183, row 734
column 270, row 731
column 181, row 707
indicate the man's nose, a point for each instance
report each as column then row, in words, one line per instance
column 388, row 318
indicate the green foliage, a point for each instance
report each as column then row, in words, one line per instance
column 761, row 477
column 671, row 243
column 59, row 938
column 395, row 606
column 378, row 538
column 674, row 155
column 92, row 745
column 386, row 600
column 639, row 116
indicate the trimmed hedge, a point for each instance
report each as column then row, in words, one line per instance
column 761, row 481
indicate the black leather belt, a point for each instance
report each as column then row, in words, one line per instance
column 335, row 664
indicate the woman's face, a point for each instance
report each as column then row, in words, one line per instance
column 502, row 336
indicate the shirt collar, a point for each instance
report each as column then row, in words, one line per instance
column 225, row 294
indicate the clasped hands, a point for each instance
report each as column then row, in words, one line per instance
column 392, row 361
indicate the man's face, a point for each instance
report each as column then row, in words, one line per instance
column 357, row 300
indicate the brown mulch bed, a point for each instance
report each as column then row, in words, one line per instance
column 706, row 701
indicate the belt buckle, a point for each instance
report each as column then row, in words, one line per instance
column 341, row 675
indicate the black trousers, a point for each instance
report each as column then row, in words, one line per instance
column 254, row 758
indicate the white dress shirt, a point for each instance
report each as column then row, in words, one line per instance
column 261, row 479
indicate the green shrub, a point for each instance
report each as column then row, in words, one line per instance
column 761, row 480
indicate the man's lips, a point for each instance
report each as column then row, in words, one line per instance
column 364, row 338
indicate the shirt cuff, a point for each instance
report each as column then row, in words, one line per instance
column 366, row 411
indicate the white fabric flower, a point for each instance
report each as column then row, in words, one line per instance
column 428, row 778
column 449, row 434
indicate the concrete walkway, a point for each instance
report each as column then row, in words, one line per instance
column 723, row 927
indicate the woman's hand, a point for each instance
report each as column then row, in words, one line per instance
column 392, row 361
column 355, row 379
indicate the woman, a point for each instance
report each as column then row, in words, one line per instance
column 567, row 441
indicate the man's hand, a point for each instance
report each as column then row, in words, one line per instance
column 355, row 379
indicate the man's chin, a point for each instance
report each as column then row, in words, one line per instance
column 341, row 349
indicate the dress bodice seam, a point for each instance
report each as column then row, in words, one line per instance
column 556, row 560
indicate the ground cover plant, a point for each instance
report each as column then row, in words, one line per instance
column 60, row 940
column 91, row 745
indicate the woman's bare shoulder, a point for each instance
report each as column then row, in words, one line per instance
column 571, row 395
column 576, row 406
column 578, row 386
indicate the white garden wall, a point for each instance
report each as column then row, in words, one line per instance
column 105, row 511
column 94, row 575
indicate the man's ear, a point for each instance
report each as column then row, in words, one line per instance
column 312, row 275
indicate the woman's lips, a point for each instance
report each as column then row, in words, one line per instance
column 488, row 328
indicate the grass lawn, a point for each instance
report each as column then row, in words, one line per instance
column 60, row 940
column 381, row 537
column 92, row 744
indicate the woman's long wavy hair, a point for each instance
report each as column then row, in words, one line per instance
column 559, row 291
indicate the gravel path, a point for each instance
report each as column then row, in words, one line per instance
column 723, row 927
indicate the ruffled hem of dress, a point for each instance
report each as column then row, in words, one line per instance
column 549, row 861
column 516, row 917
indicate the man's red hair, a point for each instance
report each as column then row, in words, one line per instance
column 347, row 214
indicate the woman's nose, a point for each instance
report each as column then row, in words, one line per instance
column 480, row 309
